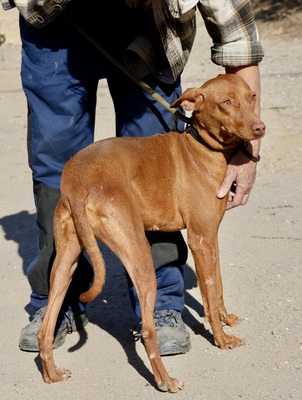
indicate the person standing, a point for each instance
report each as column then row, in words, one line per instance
column 60, row 72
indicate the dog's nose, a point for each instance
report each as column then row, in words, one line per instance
column 258, row 129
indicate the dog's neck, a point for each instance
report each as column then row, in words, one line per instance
column 218, row 146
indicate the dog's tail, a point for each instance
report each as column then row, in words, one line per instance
column 89, row 242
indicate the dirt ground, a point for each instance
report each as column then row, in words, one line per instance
column 260, row 248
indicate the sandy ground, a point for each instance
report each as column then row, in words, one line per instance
column 260, row 248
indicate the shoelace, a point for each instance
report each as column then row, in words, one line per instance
column 168, row 319
column 69, row 321
column 137, row 332
column 66, row 320
column 39, row 314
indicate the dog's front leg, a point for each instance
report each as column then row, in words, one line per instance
column 204, row 251
column 225, row 318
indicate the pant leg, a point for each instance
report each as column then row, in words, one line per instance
column 138, row 114
column 61, row 113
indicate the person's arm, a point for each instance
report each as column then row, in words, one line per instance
column 37, row 13
column 236, row 47
column 7, row 4
column 241, row 170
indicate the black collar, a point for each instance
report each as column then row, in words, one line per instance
column 193, row 132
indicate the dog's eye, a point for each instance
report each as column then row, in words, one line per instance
column 227, row 102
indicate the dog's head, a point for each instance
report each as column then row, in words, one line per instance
column 224, row 107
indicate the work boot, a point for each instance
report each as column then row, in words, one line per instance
column 172, row 336
column 67, row 323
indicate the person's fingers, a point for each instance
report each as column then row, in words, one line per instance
column 235, row 200
column 226, row 184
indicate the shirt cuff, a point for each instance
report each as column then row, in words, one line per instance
column 236, row 54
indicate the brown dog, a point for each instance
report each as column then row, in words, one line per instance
column 117, row 188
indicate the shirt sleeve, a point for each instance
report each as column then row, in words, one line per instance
column 7, row 4
column 232, row 27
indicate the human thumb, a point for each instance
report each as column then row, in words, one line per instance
column 225, row 186
column 222, row 192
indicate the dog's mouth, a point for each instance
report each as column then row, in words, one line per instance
column 256, row 131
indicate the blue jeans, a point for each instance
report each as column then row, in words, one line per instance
column 60, row 73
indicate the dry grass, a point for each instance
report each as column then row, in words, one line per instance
column 278, row 17
column 270, row 10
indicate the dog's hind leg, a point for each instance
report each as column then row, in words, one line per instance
column 68, row 250
column 125, row 236
column 139, row 265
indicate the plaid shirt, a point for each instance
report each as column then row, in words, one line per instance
column 230, row 23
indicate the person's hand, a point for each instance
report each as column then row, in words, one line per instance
column 238, row 181
column 241, row 172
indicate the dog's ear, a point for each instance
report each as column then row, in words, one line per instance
column 190, row 100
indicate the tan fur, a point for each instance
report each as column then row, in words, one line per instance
column 117, row 188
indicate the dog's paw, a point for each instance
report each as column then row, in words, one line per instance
column 172, row 386
column 229, row 319
column 175, row 385
column 61, row 374
column 229, row 342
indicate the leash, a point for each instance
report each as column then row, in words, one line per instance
column 125, row 70
column 190, row 129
